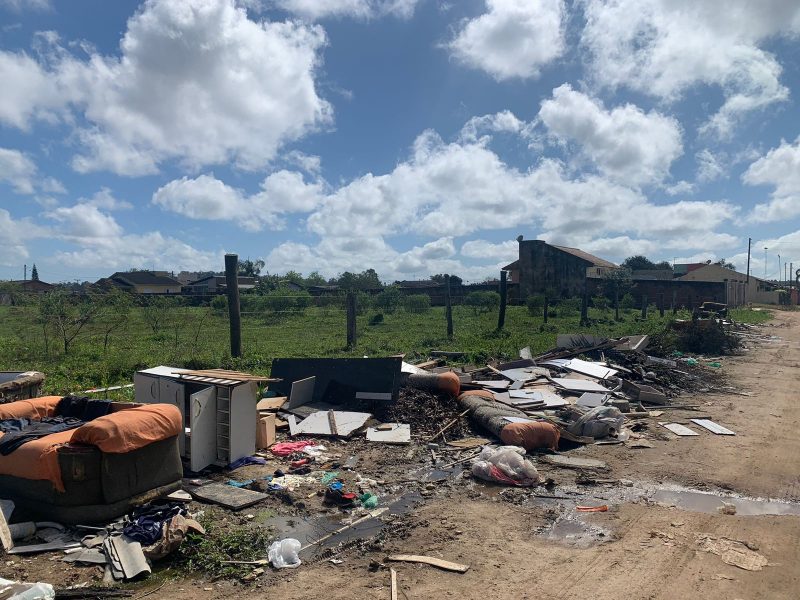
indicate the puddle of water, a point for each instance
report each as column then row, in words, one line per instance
column 310, row 530
column 573, row 531
column 709, row 502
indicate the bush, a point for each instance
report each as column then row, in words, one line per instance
column 376, row 319
column 389, row 300
column 482, row 302
column 535, row 304
column 600, row 303
column 417, row 303
column 569, row 307
column 220, row 304
column 627, row 302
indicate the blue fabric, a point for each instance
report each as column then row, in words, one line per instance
column 247, row 460
column 34, row 430
column 147, row 522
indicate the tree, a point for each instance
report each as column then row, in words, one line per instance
column 114, row 313
column 250, row 268
column 638, row 263
column 482, row 302
column 66, row 315
column 157, row 311
column 314, row 278
column 442, row 278
column 664, row 265
column 388, row 300
column 366, row 280
column 616, row 282
column 34, row 273
column 722, row 263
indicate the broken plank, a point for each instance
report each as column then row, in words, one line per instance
column 393, row 576
column 397, row 433
column 428, row 560
column 227, row 495
column 712, row 426
column 573, row 462
column 679, row 429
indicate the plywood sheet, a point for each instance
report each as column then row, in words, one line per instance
column 679, row 429
column 579, row 385
column 713, row 427
column 399, row 433
column 592, row 399
column 227, row 495
column 346, row 423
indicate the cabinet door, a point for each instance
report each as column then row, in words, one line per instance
column 172, row 392
column 243, row 420
column 203, row 421
column 146, row 388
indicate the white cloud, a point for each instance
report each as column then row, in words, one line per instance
column 14, row 236
column 104, row 199
column 197, row 81
column 664, row 47
column 360, row 9
column 710, row 166
column 20, row 5
column 501, row 122
column 507, row 251
column 84, row 223
column 20, row 172
column 627, row 144
column 206, row 197
column 779, row 168
column 514, row 38
column 680, row 188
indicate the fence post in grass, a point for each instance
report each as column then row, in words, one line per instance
column 351, row 319
column 585, row 304
column 644, row 306
column 448, row 308
column 616, row 301
column 501, row 315
column 546, row 307
column 674, row 302
column 234, row 314
column 661, row 305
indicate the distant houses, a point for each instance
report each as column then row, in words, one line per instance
column 142, row 282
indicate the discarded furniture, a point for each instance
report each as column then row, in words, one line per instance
column 98, row 471
column 218, row 409
column 20, row 386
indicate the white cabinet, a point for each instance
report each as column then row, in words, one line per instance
column 172, row 392
column 203, row 431
column 146, row 388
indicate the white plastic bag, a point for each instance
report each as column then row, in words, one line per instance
column 599, row 422
column 14, row 590
column 284, row 553
column 506, row 464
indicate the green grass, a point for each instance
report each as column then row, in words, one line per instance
column 753, row 317
column 199, row 338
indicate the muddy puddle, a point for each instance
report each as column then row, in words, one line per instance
column 710, row 502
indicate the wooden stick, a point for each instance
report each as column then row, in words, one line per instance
column 371, row 515
column 393, row 574
column 332, row 422
column 428, row 560
column 448, row 426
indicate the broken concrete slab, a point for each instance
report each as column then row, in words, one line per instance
column 338, row 422
column 397, row 433
column 592, row 399
column 644, row 393
column 584, row 367
column 578, row 385
column 573, row 462
column 228, row 496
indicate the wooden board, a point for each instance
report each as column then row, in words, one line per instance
column 678, row 429
column 397, row 433
column 271, row 403
column 318, row 423
column 712, row 426
column 428, row 560
column 227, row 495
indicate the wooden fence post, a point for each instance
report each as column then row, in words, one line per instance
column 674, row 302
column 661, row 305
column 644, row 306
column 351, row 320
column 234, row 311
column 585, row 304
column 546, row 308
column 616, row 301
column 501, row 315
column 448, row 308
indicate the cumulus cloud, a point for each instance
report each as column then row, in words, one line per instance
column 20, row 5
column 664, row 47
column 197, row 82
column 710, row 166
column 14, row 236
column 501, row 122
column 482, row 249
column 206, row 197
column 20, row 172
column 513, row 39
column 360, row 9
column 627, row 144
column 779, row 168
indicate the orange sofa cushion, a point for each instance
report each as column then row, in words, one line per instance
column 130, row 429
column 35, row 408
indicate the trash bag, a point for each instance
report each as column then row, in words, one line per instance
column 14, row 590
column 284, row 553
column 507, row 465
column 598, row 422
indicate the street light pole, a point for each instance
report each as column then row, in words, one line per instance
column 765, row 262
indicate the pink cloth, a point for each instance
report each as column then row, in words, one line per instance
column 286, row 448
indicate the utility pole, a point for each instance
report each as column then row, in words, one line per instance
column 234, row 314
column 25, row 273
column 747, row 284
column 765, row 262
column 778, row 276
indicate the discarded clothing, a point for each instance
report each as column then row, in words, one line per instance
column 287, row 448
column 34, row 430
column 247, row 460
column 81, row 407
column 147, row 522
column 538, row 434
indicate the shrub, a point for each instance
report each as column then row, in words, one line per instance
column 482, row 302
column 417, row 303
column 627, row 302
column 219, row 304
column 389, row 300
column 535, row 304
column 569, row 307
column 376, row 319
column 600, row 303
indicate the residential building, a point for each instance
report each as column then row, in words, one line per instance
column 739, row 289
column 143, row 282
column 217, row 284
column 32, row 285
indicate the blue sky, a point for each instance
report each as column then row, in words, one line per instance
column 409, row 136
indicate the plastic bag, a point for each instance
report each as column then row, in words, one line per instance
column 506, row 464
column 599, row 422
column 284, row 553
column 26, row 591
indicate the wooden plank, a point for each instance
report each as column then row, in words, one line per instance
column 332, row 422
column 227, row 495
column 393, row 575
column 5, row 533
column 429, row 560
column 271, row 403
column 397, row 433
column 678, row 429
column 712, row 426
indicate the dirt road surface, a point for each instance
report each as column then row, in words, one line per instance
column 519, row 548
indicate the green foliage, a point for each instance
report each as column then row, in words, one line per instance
column 638, row 262
column 389, row 300
column 376, row 319
column 482, row 302
column 279, row 301
column 250, row 268
column 366, row 280
column 417, row 303
column 627, row 302
column 157, row 311
column 570, row 307
column 535, row 304
column 34, row 273
column 66, row 315
column 219, row 304
column 442, row 278
column 601, row 303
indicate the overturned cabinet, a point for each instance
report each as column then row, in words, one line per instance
column 218, row 409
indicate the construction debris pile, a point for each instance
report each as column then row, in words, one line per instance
column 340, row 448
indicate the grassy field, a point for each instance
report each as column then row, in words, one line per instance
column 198, row 338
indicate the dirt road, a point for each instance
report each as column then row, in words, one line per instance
column 640, row 549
